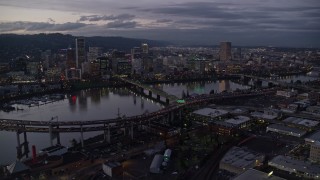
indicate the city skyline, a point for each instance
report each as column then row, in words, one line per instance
column 251, row 22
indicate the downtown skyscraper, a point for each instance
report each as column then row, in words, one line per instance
column 225, row 51
column 80, row 52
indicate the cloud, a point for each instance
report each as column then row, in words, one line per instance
column 38, row 26
column 121, row 24
column 106, row 18
column 50, row 20
column 164, row 20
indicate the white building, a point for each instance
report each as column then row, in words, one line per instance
column 301, row 168
column 282, row 129
column 167, row 155
column 156, row 163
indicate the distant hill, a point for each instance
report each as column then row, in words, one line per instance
column 13, row 45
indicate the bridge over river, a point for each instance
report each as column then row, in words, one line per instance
column 106, row 125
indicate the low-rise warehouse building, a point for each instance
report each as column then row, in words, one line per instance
column 257, row 175
column 282, row 129
column 300, row 168
column 208, row 114
column 239, row 159
column 156, row 163
column 112, row 168
column 230, row 126
column 301, row 123
column 314, row 142
column 315, row 137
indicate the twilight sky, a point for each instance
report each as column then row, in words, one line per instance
column 293, row 23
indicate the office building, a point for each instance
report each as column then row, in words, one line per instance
column 80, row 52
column 94, row 53
column 225, row 51
column 145, row 48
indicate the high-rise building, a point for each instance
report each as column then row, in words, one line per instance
column 94, row 53
column 145, row 48
column 80, row 52
column 225, row 51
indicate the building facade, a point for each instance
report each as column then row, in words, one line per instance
column 225, row 51
column 80, row 52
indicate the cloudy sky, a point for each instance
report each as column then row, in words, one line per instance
column 293, row 23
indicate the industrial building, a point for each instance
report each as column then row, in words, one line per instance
column 112, row 168
column 315, row 152
column 230, row 126
column 156, row 164
column 239, row 159
column 256, row 174
column 282, row 129
column 300, row 168
column 208, row 114
column 314, row 142
column 315, row 137
column 239, row 121
column 301, row 123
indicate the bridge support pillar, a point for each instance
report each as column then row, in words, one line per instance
column 131, row 131
column 22, row 149
column 150, row 93
column 19, row 151
column 82, row 141
column 107, row 137
column 50, row 135
column 171, row 116
column 58, row 137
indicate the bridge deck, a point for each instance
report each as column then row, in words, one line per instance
column 149, row 88
column 98, row 125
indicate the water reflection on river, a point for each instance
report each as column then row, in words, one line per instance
column 97, row 104
column 204, row 87
column 91, row 104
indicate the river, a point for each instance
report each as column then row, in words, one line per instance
column 94, row 104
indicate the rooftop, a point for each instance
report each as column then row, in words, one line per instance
column 238, row 120
column 257, row 175
column 296, row 165
column 112, row 164
column 315, row 137
column 300, row 121
column 286, row 128
column 209, row 112
column 240, row 157
column 263, row 115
